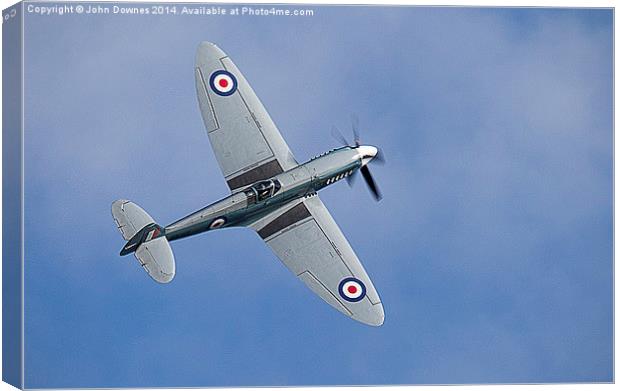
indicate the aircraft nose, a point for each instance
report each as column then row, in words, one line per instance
column 367, row 153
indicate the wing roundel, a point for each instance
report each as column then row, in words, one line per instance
column 308, row 241
column 246, row 142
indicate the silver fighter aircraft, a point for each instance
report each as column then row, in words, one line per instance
column 270, row 193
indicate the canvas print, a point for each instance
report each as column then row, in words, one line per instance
column 219, row 195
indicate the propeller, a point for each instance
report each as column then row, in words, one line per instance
column 378, row 158
column 355, row 124
column 370, row 182
column 337, row 134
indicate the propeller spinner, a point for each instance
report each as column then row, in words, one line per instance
column 368, row 153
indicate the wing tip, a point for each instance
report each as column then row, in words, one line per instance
column 208, row 51
column 375, row 316
column 208, row 43
column 118, row 203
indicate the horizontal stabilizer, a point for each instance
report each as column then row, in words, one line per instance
column 129, row 218
column 157, row 259
column 145, row 239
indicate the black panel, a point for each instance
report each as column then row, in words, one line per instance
column 287, row 219
column 264, row 171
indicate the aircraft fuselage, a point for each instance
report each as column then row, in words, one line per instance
column 255, row 201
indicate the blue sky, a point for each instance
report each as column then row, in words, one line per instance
column 492, row 249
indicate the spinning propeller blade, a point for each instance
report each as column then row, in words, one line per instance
column 371, row 183
column 338, row 136
column 378, row 158
column 351, row 178
column 355, row 122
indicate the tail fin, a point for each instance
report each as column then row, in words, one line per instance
column 145, row 239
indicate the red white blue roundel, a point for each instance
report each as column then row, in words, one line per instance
column 217, row 223
column 351, row 289
column 223, row 83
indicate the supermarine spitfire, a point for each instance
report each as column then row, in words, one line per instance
column 270, row 193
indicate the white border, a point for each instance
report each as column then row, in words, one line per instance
column 484, row 3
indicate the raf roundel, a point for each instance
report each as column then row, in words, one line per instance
column 351, row 289
column 223, row 83
column 217, row 223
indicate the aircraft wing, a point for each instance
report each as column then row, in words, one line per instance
column 308, row 241
column 246, row 142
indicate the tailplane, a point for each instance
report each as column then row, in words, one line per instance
column 145, row 239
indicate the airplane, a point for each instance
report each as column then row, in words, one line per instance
column 270, row 193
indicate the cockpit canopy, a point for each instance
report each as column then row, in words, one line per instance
column 262, row 190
